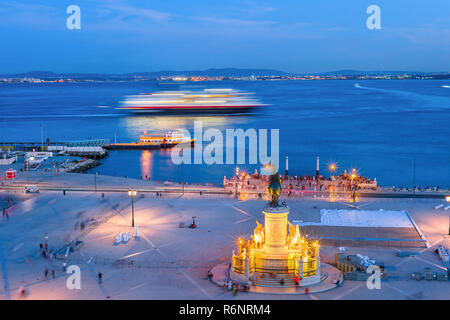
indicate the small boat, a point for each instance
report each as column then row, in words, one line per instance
column 155, row 141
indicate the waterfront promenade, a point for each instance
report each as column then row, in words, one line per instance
column 99, row 183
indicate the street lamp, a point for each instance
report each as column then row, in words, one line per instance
column 353, row 177
column 28, row 165
column 132, row 193
column 267, row 170
column 236, row 183
column 332, row 168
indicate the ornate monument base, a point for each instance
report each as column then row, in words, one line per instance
column 275, row 258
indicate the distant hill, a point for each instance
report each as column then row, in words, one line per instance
column 53, row 75
column 31, row 74
column 370, row 73
column 226, row 72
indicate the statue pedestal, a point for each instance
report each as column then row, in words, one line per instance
column 274, row 258
column 275, row 229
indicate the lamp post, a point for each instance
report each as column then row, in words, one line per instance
column 95, row 181
column 332, row 168
column 42, row 140
column 132, row 193
column 28, row 166
column 353, row 176
column 267, row 168
column 236, row 182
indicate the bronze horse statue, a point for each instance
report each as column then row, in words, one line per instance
column 274, row 188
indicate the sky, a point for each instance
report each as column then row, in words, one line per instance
column 301, row 36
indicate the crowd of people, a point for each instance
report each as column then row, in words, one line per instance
column 291, row 184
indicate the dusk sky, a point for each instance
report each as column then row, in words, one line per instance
column 119, row 36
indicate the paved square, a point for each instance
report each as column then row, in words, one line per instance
column 170, row 262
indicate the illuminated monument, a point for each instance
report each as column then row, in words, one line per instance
column 275, row 257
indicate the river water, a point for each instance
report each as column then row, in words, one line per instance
column 379, row 127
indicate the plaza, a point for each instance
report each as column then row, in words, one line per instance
column 171, row 261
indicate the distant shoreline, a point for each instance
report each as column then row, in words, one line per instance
column 268, row 78
column 218, row 74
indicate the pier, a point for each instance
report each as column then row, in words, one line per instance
column 93, row 149
column 44, row 145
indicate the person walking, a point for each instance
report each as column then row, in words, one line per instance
column 45, row 273
column 22, row 292
column 100, row 277
column 64, row 266
column 53, row 273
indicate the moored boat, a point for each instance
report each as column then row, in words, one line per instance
column 155, row 141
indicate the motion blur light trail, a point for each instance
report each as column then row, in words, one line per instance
column 205, row 101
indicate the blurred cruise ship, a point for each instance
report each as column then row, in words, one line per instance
column 209, row 101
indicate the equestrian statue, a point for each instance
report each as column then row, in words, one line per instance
column 274, row 188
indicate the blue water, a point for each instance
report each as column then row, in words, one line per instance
column 380, row 127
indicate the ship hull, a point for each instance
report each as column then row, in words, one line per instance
column 191, row 110
column 141, row 146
